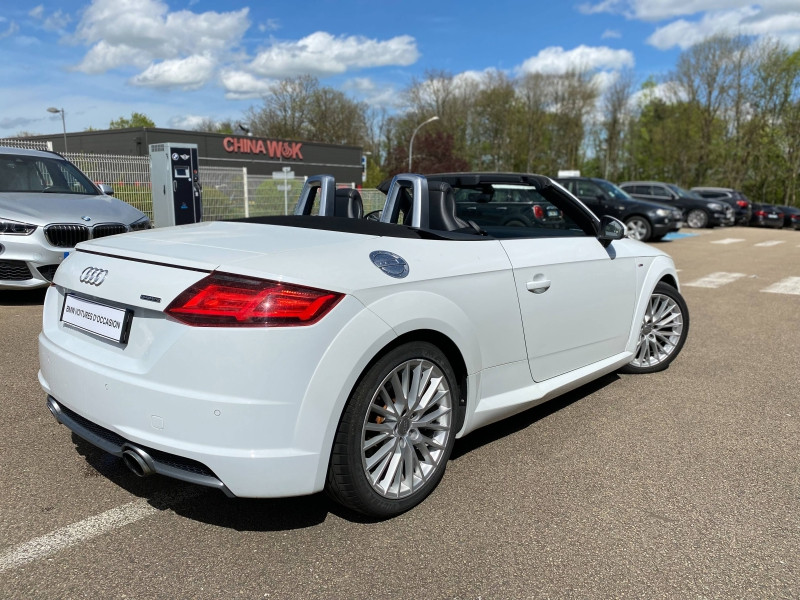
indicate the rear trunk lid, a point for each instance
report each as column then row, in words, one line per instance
column 149, row 269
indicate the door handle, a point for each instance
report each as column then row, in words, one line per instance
column 538, row 286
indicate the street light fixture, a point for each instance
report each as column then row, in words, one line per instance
column 55, row 110
column 411, row 143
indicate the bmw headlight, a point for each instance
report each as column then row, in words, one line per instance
column 715, row 206
column 141, row 224
column 663, row 212
column 16, row 228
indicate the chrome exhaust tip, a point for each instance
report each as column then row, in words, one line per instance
column 54, row 408
column 138, row 461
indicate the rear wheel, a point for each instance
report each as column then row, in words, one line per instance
column 697, row 218
column 663, row 333
column 396, row 433
column 638, row 228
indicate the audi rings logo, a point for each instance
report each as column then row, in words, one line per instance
column 93, row 275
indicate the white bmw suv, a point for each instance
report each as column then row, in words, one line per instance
column 47, row 205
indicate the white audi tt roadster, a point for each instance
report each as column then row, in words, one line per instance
column 325, row 350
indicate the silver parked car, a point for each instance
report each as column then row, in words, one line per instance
column 47, row 205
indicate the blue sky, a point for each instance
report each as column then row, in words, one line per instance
column 182, row 61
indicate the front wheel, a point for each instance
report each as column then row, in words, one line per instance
column 638, row 228
column 697, row 219
column 663, row 333
column 396, row 433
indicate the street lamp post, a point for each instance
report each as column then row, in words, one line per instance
column 54, row 110
column 411, row 143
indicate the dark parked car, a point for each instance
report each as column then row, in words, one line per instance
column 644, row 221
column 791, row 216
column 697, row 211
column 500, row 203
column 766, row 215
column 742, row 206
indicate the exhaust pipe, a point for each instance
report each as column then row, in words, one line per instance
column 138, row 461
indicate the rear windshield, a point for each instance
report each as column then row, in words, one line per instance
column 42, row 175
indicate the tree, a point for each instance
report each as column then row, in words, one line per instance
column 209, row 125
column 136, row 120
column 434, row 152
column 298, row 108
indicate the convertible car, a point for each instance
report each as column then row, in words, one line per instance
column 282, row 356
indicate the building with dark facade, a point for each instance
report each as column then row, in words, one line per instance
column 260, row 155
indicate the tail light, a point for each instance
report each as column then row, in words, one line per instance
column 760, row 213
column 538, row 211
column 222, row 300
column 742, row 203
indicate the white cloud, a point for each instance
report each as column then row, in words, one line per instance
column 374, row 94
column 323, row 54
column 10, row 30
column 555, row 59
column 185, row 73
column 745, row 21
column 187, row 122
column 37, row 12
column 269, row 25
column 611, row 33
column 126, row 33
column 691, row 21
column 658, row 10
column 241, row 85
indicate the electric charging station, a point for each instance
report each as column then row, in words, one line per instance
column 177, row 197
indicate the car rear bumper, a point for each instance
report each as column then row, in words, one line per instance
column 771, row 223
column 255, row 422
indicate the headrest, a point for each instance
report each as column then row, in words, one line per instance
column 347, row 203
column 442, row 207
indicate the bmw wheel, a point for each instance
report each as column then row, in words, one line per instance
column 697, row 218
column 396, row 433
column 663, row 333
column 638, row 228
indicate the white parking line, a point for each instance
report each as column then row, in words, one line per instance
column 768, row 244
column 790, row 285
column 715, row 280
column 57, row 540
column 728, row 241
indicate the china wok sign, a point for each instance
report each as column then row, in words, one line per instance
column 272, row 148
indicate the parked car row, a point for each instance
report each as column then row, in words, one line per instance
column 651, row 209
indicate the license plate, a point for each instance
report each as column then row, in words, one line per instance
column 106, row 321
column 552, row 212
column 772, row 216
column 678, row 224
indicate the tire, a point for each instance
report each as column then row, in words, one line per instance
column 697, row 218
column 388, row 456
column 638, row 228
column 660, row 342
column 657, row 238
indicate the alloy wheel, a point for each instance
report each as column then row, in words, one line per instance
column 661, row 332
column 406, row 429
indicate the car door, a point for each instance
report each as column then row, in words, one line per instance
column 576, row 297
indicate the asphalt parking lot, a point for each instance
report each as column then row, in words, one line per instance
column 680, row 484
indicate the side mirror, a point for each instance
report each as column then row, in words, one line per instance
column 106, row 189
column 610, row 229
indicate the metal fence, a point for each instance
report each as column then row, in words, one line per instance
column 228, row 193
column 128, row 175
column 29, row 144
